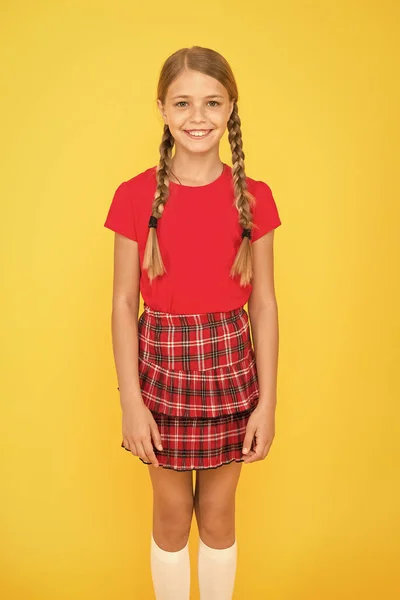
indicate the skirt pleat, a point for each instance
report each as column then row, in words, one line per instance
column 198, row 376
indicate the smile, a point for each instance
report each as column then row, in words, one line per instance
column 198, row 133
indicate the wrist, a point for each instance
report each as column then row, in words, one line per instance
column 267, row 403
column 130, row 399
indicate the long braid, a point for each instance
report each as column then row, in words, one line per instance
column 152, row 260
column 243, row 264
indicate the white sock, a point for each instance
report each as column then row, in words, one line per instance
column 216, row 570
column 170, row 572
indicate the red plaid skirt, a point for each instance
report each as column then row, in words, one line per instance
column 198, row 377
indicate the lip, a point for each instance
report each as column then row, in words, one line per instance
column 187, row 131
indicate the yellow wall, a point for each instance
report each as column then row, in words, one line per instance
column 318, row 93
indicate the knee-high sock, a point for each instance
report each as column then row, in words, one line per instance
column 216, row 570
column 170, row 572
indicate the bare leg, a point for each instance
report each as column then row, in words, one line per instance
column 215, row 504
column 172, row 507
column 215, row 513
column 172, row 516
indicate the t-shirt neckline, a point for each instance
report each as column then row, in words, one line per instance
column 206, row 186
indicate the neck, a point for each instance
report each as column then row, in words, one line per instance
column 196, row 169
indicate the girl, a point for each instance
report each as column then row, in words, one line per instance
column 195, row 237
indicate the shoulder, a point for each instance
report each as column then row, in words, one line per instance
column 262, row 194
column 259, row 188
column 265, row 211
column 135, row 192
column 143, row 181
column 130, row 198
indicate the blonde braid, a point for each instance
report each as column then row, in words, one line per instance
column 243, row 264
column 152, row 260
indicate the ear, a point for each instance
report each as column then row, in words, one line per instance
column 162, row 110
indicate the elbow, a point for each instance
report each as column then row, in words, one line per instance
column 267, row 304
column 123, row 302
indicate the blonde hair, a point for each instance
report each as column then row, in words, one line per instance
column 211, row 63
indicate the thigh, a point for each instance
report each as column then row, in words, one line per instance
column 171, row 486
column 216, row 488
column 215, row 504
column 172, row 507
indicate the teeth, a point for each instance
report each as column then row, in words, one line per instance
column 198, row 133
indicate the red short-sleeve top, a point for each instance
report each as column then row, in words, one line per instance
column 198, row 234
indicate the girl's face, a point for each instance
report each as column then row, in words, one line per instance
column 197, row 109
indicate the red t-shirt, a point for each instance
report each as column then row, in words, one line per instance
column 198, row 234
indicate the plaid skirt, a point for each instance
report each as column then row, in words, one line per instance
column 198, row 377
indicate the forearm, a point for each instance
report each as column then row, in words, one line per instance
column 124, row 321
column 265, row 334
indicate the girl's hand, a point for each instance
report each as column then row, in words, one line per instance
column 260, row 432
column 138, row 429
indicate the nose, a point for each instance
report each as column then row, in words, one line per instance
column 197, row 115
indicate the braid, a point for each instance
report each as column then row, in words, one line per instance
column 243, row 264
column 152, row 260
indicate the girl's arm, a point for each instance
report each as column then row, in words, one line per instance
column 263, row 314
column 125, row 308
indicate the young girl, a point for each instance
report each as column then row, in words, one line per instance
column 195, row 237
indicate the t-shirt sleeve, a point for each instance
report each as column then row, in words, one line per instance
column 120, row 217
column 265, row 211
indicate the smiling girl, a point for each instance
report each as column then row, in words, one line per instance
column 195, row 236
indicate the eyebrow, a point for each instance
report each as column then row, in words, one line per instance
column 186, row 96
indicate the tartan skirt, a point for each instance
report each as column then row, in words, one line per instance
column 198, row 377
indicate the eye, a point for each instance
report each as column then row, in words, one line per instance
column 183, row 102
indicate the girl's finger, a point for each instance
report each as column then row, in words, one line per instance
column 150, row 452
column 125, row 445
column 248, row 441
column 130, row 446
column 257, row 454
column 248, row 455
column 156, row 436
column 141, row 452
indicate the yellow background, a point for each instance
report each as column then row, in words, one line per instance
column 319, row 98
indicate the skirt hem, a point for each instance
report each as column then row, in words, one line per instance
column 228, row 462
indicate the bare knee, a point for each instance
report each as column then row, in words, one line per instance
column 172, row 509
column 216, row 520
column 172, row 522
